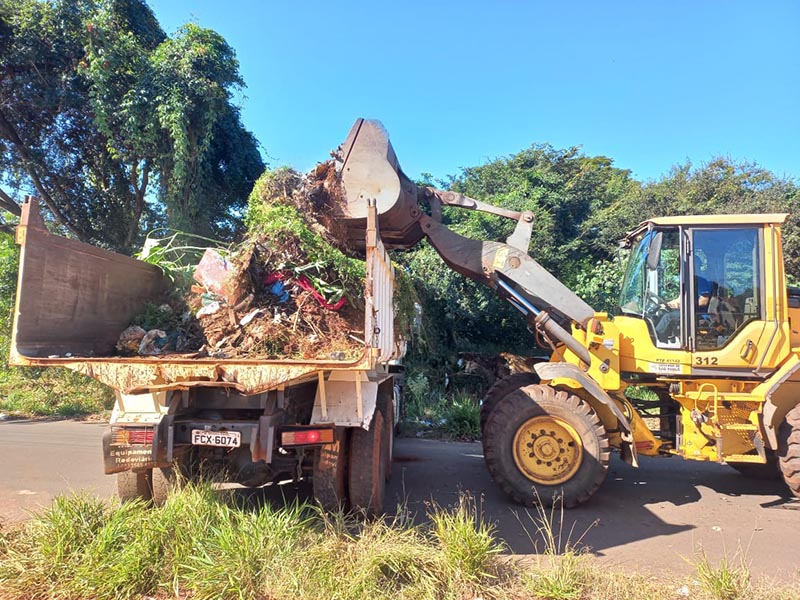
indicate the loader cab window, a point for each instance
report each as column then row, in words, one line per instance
column 652, row 286
column 727, row 281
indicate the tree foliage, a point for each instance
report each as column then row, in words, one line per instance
column 583, row 206
column 102, row 115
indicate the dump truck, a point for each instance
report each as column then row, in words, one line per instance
column 706, row 323
column 181, row 416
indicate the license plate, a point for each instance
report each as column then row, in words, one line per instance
column 224, row 439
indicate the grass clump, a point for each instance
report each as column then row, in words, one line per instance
column 467, row 543
column 562, row 571
column 202, row 544
column 461, row 417
column 725, row 580
column 51, row 392
column 454, row 416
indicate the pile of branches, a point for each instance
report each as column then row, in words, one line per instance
column 291, row 290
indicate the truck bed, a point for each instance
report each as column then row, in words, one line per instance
column 74, row 299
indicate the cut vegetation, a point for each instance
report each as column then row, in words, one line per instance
column 292, row 289
column 205, row 543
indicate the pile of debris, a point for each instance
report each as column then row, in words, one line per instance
column 291, row 290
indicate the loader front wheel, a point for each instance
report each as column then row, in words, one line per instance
column 367, row 476
column 501, row 388
column 789, row 450
column 330, row 473
column 546, row 445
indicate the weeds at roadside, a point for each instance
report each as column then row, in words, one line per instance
column 461, row 418
column 725, row 580
column 204, row 544
column 562, row 572
column 49, row 392
column 454, row 416
column 467, row 543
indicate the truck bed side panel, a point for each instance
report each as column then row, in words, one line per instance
column 74, row 297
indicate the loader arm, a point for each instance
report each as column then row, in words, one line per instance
column 368, row 170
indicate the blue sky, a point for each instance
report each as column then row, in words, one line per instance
column 647, row 83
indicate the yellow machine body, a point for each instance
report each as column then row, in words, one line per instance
column 721, row 381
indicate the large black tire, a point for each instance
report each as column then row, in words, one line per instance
column 367, row 476
column 386, row 406
column 546, row 446
column 789, row 450
column 162, row 482
column 132, row 485
column 329, row 478
column 503, row 387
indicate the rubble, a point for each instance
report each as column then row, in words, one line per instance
column 290, row 290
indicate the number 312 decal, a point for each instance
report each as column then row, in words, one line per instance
column 705, row 360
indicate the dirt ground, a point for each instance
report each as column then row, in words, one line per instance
column 651, row 519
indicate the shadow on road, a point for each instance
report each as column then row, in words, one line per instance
column 664, row 497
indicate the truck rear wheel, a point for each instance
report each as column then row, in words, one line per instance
column 386, row 406
column 162, row 481
column 367, row 476
column 133, row 485
column 502, row 388
column 329, row 479
column 789, row 450
column 542, row 444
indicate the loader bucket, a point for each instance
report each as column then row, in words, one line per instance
column 369, row 171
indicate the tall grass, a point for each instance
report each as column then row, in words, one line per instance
column 202, row 544
column 728, row 579
column 562, row 572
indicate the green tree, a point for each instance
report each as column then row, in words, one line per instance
column 564, row 189
column 583, row 207
column 101, row 114
column 721, row 186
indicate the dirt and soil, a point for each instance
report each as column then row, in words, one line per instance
column 292, row 289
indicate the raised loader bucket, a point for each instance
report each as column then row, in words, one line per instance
column 369, row 170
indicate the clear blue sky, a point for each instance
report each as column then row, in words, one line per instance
column 647, row 83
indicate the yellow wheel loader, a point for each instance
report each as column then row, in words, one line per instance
column 705, row 321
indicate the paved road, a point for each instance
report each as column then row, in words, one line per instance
column 647, row 519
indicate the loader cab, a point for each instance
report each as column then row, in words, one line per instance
column 705, row 289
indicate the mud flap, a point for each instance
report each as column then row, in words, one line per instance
column 121, row 453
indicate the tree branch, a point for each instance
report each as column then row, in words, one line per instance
column 138, row 207
column 11, row 133
column 8, row 203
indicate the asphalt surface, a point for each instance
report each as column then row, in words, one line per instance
column 652, row 519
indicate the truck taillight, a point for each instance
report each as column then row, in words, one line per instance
column 137, row 436
column 306, row 437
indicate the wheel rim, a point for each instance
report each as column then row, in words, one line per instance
column 547, row 450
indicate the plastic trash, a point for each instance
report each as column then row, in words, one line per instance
column 279, row 289
column 218, row 275
column 208, row 309
column 256, row 312
column 150, row 342
column 129, row 340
